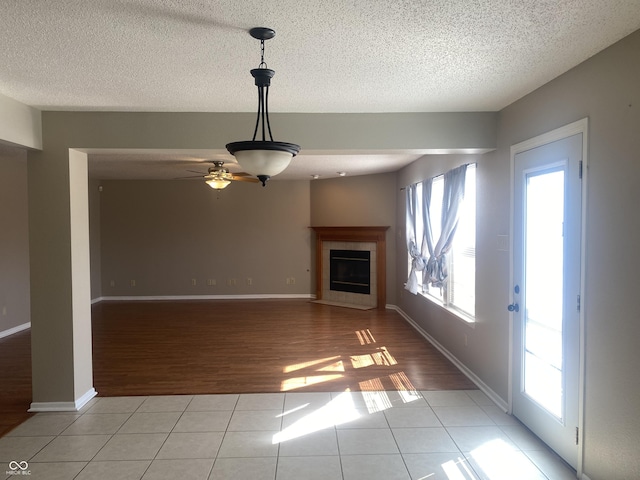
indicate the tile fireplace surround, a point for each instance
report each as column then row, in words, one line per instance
column 372, row 239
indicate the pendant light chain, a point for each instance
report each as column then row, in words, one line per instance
column 262, row 62
column 262, row 119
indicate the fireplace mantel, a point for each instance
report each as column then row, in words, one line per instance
column 354, row 234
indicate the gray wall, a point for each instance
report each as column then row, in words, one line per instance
column 165, row 234
column 491, row 277
column 606, row 89
column 14, row 239
column 94, row 239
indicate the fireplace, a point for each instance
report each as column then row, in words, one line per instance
column 357, row 256
column 350, row 271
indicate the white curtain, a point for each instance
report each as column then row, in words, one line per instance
column 436, row 269
column 418, row 262
column 427, row 240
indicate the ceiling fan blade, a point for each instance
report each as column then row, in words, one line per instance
column 190, row 177
column 245, row 179
column 241, row 174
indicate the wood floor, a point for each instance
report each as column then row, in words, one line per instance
column 230, row 346
column 15, row 380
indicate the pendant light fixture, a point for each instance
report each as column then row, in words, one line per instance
column 263, row 158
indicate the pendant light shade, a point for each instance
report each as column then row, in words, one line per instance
column 263, row 158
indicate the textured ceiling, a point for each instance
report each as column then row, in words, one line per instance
column 329, row 56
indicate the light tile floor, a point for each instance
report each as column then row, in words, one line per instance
column 452, row 435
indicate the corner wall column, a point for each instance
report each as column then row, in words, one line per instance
column 61, row 353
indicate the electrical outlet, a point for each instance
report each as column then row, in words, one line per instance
column 249, row 281
column 232, row 282
column 211, row 282
column 293, row 280
column 194, row 282
column 132, row 283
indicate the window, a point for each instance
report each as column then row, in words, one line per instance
column 458, row 292
column 462, row 269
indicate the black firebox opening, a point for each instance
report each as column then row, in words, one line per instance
column 350, row 271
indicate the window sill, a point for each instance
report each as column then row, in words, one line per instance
column 467, row 319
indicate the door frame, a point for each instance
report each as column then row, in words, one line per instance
column 580, row 126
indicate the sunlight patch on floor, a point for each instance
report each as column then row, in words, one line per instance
column 300, row 382
column 334, row 367
column 340, row 410
column 404, row 386
column 311, row 363
column 380, row 357
column 458, row 470
column 365, row 337
column 499, row 461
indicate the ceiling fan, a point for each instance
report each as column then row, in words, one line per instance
column 219, row 177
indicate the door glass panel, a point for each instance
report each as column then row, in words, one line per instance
column 544, row 279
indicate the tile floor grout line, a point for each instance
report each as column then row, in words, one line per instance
column 501, row 430
column 100, row 449
column 335, row 431
column 520, row 449
column 463, row 455
column 398, row 447
column 284, row 402
column 131, row 414
column 43, row 447
column 87, row 463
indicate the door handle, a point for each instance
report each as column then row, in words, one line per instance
column 514, row 307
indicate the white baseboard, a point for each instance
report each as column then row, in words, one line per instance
column 74, row 406
column 19, row 328
column 499, row 401
column 204, row 297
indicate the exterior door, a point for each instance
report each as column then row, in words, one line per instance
column 547, row 213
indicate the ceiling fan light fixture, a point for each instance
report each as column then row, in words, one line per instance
column 218, row 177
column 217, row 183
column 263, row 158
